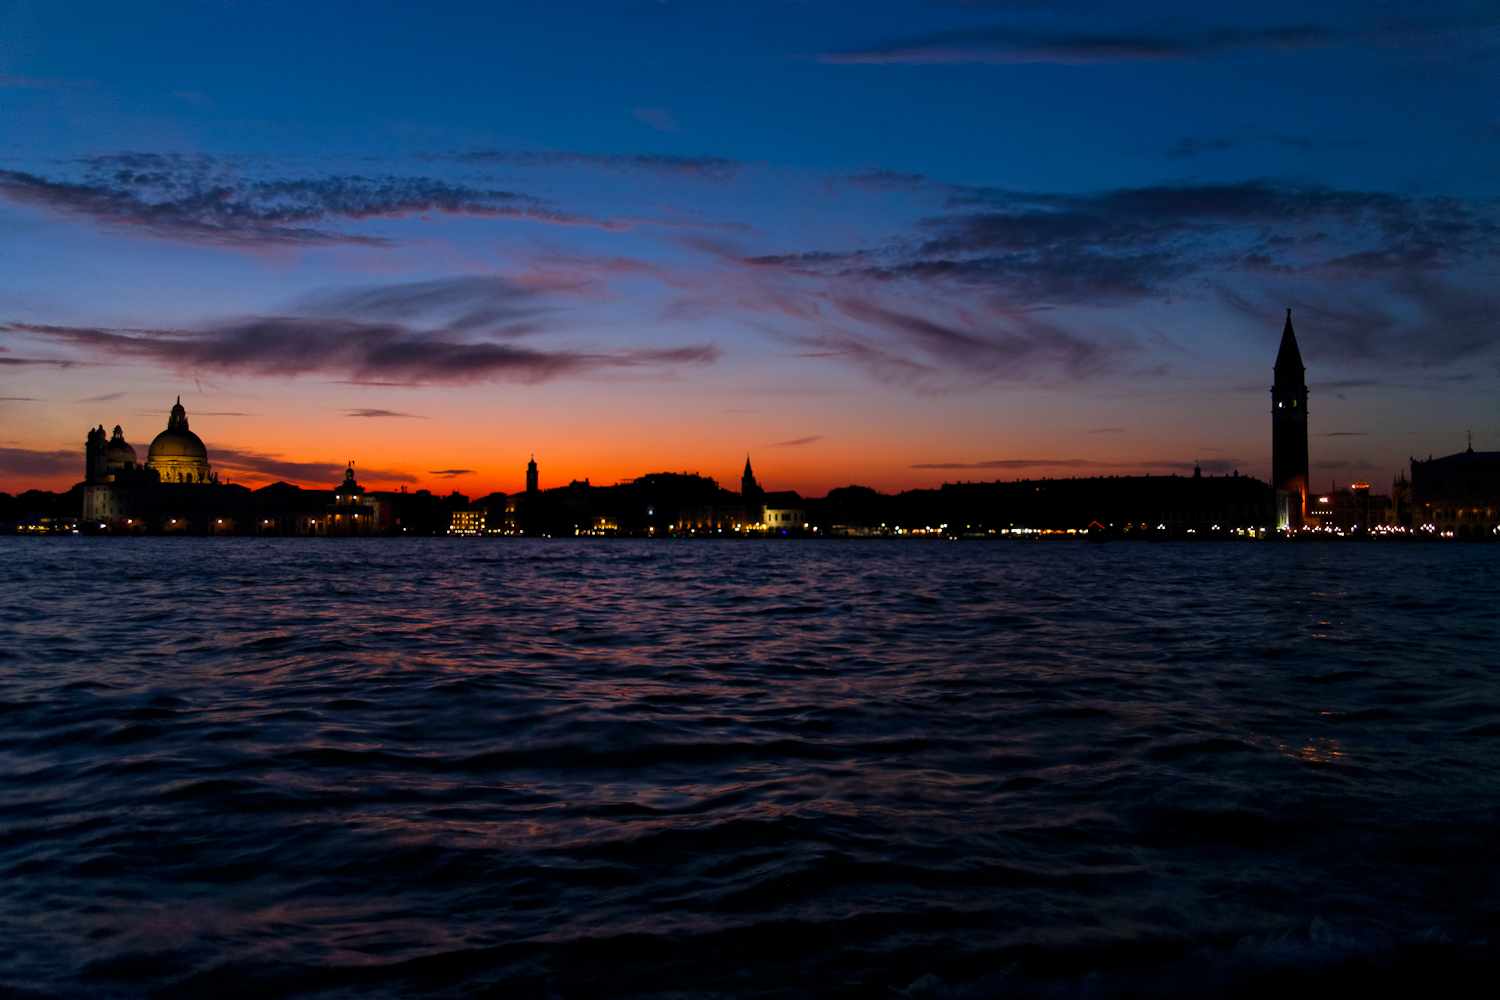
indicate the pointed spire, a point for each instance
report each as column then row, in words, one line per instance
column 1289, row 367
column 747, row 465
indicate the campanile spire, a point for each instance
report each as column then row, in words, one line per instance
column 1289, row 427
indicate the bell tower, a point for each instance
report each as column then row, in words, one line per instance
column 1289, row 427
column 531, row 478
column 749, row 488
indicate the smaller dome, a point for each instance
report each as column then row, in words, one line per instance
column 118, row 452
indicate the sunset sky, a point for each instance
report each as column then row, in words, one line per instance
column 892, row 244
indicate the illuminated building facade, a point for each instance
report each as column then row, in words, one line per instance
column 1352, row 509
column 348, row 514
column 467, row 522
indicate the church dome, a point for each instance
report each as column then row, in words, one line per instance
column 177, row 441
column 118, row 452
column 177, row 454
column 174, row 443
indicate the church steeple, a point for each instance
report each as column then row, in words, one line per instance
column 748, row 486
column 1289, row 428
column 1289, row 368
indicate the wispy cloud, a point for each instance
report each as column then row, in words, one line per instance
column 472, row 302
column 203, row 200
column 1011, row 44
column 1218, row 465
column 25, row 362
column 1027, row 463
column 273, row 466
column 1188, row 147
column 381, row 413
column 450, row 473
column 994, row 283
column 795, row 442
column 194, row 97
column 698, row 167
column 42, row 82
column 658, row 118
column 40, row 464
column 371, row 352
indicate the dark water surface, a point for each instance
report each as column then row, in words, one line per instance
column 499, row 768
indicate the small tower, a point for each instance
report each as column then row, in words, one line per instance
column 96, row 467
column 531, row 475
column 348, row 493
column 1289, row 427
column 749, row 488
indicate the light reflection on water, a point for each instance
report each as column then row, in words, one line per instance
column 598, row 768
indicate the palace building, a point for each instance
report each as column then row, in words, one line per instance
column 1458, row 495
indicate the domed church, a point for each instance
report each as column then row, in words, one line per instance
column 177, row 455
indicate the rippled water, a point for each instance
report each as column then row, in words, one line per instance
column 389, row 768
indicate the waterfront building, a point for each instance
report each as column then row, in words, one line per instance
column 783, row 519
column 1153, row 507
column 175, row 490
column 1458, row 496
column 1352, row 509
column 717, row 518
column 348, row 514
column 467, row 521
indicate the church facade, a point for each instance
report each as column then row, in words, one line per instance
column 175, row 491
column 120, row 491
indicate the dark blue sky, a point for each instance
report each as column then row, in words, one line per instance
column 1004, row 238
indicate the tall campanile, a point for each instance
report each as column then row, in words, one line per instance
column 1289, row 426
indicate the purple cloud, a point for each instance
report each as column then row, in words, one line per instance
column 270, row 466
column 203, row 200
column 658, row 118
column 702, row 167
column 1006, row 44
column 368, row 352
column 30, row 464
